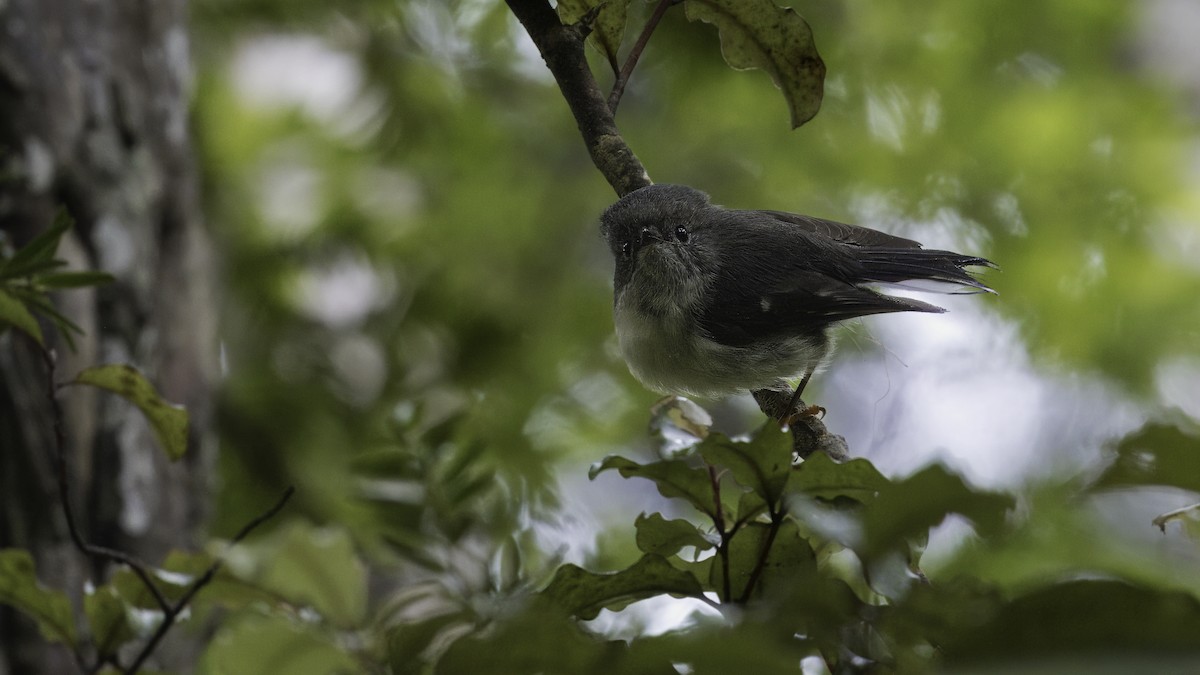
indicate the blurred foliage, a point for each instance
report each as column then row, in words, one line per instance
column 417, row 333
column 29, row 274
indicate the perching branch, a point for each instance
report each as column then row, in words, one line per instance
column 562, row 48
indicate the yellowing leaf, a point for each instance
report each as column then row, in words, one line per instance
column 169, row 421
column 760, row 34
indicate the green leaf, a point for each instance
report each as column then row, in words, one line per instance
column 762, row 464
column 537, row 639
column 760, row 34
column 408, row 641
column 583, row 594
column 789, row 556
column 39, row 252
column 608, row 28
column 821, row 477
column 735, row 647
column 910, row 507
column 108, row 618
column 1073, row 618
column 170, row 422
column 20, row 589
column 1157, row 454
column 75, row 279
column 14, row 312
column 276, row 644
column 39, row 303
column 750, row 506
column 674, row 478
column 660, row 536
column 319, row 567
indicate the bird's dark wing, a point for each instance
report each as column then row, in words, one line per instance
column 877, row 257
column 841, row 232
column 800, row 303
column 777, row 281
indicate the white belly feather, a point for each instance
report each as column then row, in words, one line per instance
column 669, row 354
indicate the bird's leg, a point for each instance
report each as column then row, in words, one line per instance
column 791, row 413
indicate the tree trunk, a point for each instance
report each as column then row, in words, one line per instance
column 94, row 117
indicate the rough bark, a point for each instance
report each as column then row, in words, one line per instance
column 94, row 117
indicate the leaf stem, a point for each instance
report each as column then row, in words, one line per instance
column 719, row 523
column 776, row 522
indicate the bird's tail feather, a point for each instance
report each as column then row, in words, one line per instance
column 902, row 267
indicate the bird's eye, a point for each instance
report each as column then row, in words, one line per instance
column 681, row 233
column 625, row 249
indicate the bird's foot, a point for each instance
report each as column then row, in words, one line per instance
column 806, row 411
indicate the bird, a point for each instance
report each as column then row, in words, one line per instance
column 710, row 301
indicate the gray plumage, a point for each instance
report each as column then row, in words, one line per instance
column 710, row 301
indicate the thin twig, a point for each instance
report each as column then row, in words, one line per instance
column 170, row 611
column 635, row 53
column 64, row 492
column 173, row 612
column 776, row 521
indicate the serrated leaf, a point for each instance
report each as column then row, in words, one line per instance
column 583, row 594
column 821, row 477
column 660, row 536
column 21, row 590
column 169, row 421
column 15, row 313
column 608, row 28
column 673, row 478
column 910, row 507
column 789, row 555
column 1157, row 454
column 763, row 464
column 760, row 34
column 40, row 250
column 75, row 279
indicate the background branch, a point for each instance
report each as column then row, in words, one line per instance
column 171, row 611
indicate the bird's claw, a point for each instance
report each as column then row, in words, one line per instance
column 807, row 411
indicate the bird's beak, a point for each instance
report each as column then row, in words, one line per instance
column 646, row 235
